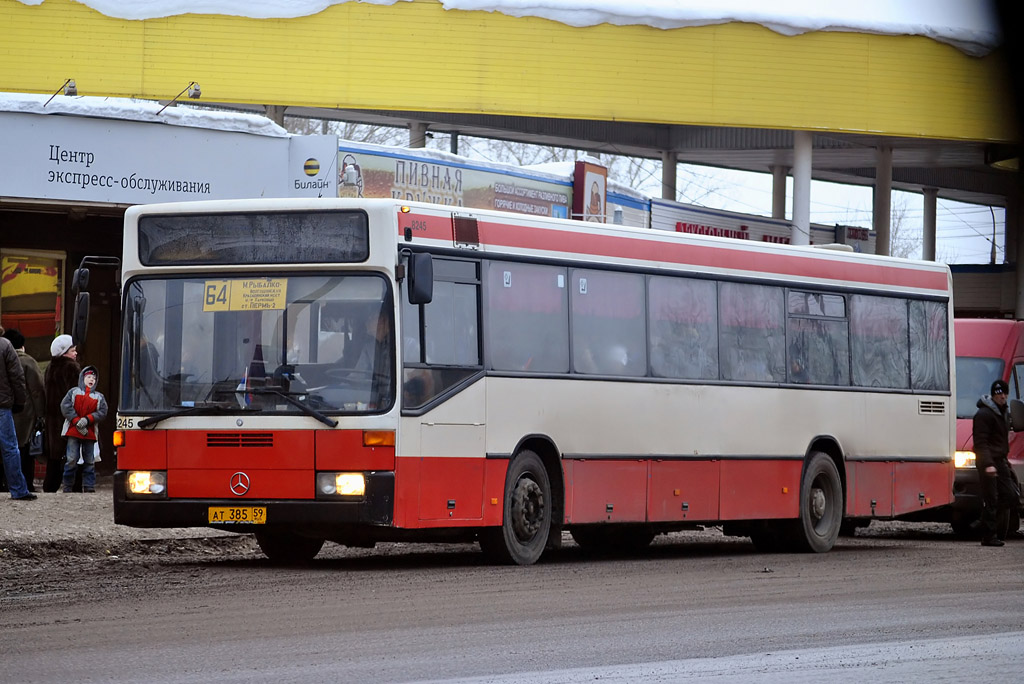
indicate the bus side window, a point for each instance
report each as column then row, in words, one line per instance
column 929, row 338
column 448, row 329
column 608, row 323
column 878, row 342
column 752, row 332
column 527, row 319
column 683, row 315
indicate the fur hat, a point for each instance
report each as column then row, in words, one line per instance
column 16, row 338
column 999, row 385
column 60, row 345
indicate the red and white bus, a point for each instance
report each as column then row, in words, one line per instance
column 528, row 377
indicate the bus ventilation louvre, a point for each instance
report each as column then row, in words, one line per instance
column 466, row 231
column 931, row 408
column 240, row 439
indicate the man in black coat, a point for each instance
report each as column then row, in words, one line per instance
column 991, row 446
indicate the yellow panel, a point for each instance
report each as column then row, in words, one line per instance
column 417, row 56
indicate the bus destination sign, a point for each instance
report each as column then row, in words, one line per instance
column 249, row 294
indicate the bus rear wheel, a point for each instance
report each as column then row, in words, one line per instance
column 821, row 506
column 282, row 546
column 526, row 518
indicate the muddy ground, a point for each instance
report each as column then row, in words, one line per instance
column 46, row 542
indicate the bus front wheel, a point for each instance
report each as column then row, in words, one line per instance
column 282, row 546
column 526, row 516
column 821, row 506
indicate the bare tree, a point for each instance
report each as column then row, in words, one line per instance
column 905, row 240
column 346, row 130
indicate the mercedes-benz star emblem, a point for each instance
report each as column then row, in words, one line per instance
column 239, row 483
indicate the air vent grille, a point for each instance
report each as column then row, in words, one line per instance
column 932, row 408
column 239, row 439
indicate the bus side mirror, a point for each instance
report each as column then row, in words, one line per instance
column 80, row 280
column 1017, row 415
column 421, row 278
column 80, row 325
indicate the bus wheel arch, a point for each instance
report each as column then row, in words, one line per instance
column 551, row 457
column 528, row 509
column 821, row 504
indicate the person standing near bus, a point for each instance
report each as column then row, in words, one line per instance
column 12, row 400
column 28, row 421
column 991, row 446
column 61, row 375
column 83, row 407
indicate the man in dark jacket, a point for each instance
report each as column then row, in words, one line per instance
column 27, row 422
column 12, row 400
column 991, row 446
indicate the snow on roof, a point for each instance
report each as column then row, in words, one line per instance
column 140, row 110
column 969, row 25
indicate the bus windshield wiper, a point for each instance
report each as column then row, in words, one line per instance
column 210, row 408
column 290, row 398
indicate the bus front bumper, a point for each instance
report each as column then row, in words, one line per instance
column 375, row 508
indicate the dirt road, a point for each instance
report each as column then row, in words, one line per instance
column 898, row 602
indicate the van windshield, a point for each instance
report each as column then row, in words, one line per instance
column 974, row 377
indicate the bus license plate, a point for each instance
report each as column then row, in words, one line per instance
column 243, row 515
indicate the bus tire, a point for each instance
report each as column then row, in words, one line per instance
column 821, row 506
column 282, row 546
column 526, row 516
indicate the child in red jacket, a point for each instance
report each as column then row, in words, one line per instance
column 82, row 408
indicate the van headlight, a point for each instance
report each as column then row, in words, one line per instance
column 964, row 459
column 332, row 485
column 149, row 484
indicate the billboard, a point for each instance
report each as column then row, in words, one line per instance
column 422, row 175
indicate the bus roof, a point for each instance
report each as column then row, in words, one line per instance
column 502, row 233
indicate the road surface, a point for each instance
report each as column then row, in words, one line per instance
column 897, row 603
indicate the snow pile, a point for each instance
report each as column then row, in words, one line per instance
column 969, row 25
column 140, row 110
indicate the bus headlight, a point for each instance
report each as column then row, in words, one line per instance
column 147, row 483
column 964, row 459
column 329, row 485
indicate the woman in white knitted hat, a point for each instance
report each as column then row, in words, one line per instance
column 61, row 375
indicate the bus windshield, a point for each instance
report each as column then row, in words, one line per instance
column 273, row 344
column 974, row 376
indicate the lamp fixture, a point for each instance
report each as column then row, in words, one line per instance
column 193, row 92
column 68, row 87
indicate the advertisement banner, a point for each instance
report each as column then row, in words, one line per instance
column 312, row 166
column 590, row 183
column 431, row 176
